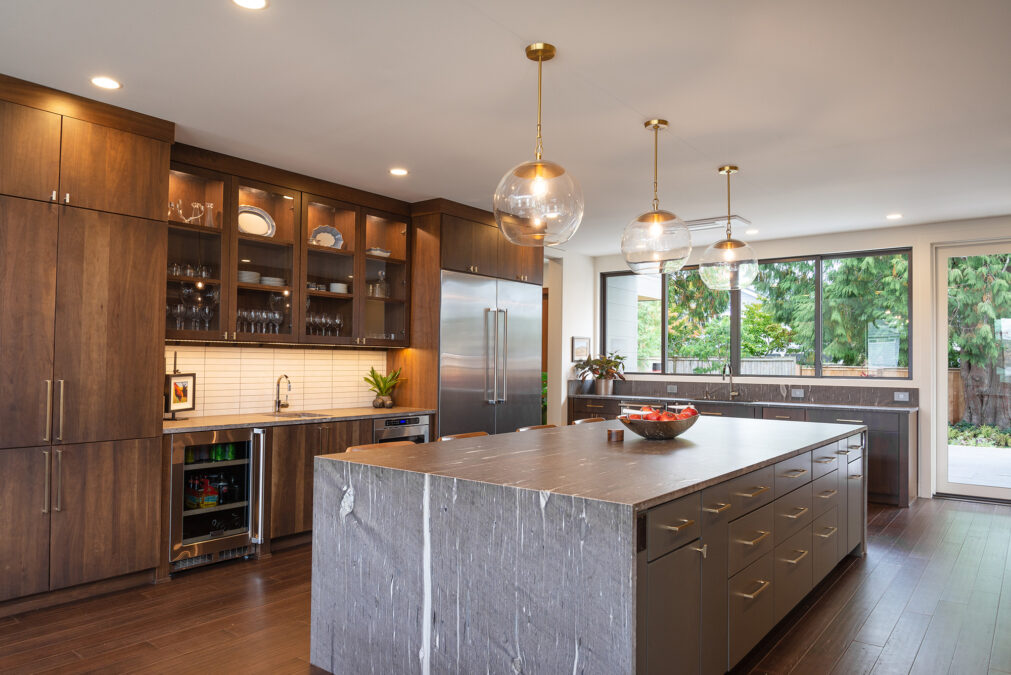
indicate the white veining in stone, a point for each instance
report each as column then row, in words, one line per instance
column 426, row 607
column 347, row 502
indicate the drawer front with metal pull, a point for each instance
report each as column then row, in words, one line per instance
column 596, row 406
column 825, row 494
column 794, row 414
column 749, row 538
column 875, row 421
column 752, row 611
column 792, row 473
column 671, row 525
column 793, row 513
column 824, row 543
column 850, row 449
column 793, row 576
column 855, row 501
column 736, row 497
column 824, row 460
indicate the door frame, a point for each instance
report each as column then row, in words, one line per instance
column 940, row 332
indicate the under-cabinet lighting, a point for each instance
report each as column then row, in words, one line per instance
column 246, row 260
column 287, row 196
column 251, row 4
column 894, row 216
column 397, row 171
column 105, row 82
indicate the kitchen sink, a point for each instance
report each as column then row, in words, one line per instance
column 296, row 414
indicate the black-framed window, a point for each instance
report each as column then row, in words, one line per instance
column 843, row 315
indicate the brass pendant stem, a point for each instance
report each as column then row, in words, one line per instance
column 539, row 148
column 728, row 205
column 656, row 152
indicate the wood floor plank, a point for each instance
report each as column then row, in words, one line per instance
column 898, row 654
column 975, row 640
column 879, row 624
column 938, row 646
column 858, row 659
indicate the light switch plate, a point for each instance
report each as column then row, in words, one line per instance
column 902, row 396
column 797, row 393
column 672, row 389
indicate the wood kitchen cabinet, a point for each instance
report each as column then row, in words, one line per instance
column 115, row 171
column 520, row 263
column 469, row 246
column 29, row 152
column 24, row 538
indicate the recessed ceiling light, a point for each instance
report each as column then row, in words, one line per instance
column 894, row 216
column 105, row 82
column 751, row 231
column 251, row 4
column 246, row 260
column 397, row 171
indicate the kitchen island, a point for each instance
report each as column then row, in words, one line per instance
column 558, row 551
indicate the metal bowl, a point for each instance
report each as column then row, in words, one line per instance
column 658, row 430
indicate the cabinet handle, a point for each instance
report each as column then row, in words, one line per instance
column 856, row 475
column 825, row 460
column 828, row 494
column 798, row 512
column 719, row 508
column 839, row 419
column 59, row 481
column 49, row 410
column 226, row 335
column 59, row 433
column 842, row 452
column 676, row 529
column 53, row 197
column 713, row 413
column 794, row 473
column 782, row 417
column 831, row 530
column 475, row 269
column 763, row 585
column 704, row 550
column 593, row 405
column 49, row 481
column 803, row 554
column 762, row 535
column 856, row 446
column 66, row 198
column 755, row 491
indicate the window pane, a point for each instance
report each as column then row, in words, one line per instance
column 632, row 316
column 865, row 316
column 777, row 323
column 698, row 325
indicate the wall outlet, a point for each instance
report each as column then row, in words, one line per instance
column 672, row 389
column 901, row 396
column 797, row 393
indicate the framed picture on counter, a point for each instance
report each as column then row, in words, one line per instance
column 180, row 392
column 580, row 348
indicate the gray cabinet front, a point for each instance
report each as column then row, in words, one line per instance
column 672, row 613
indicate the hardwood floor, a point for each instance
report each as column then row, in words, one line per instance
column 932, row 596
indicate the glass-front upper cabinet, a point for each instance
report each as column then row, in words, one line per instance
column 267, row 268
column 197, row 254
column 387, row 278
column 330, row 232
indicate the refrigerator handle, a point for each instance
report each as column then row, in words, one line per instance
column 490, row 364
column 505, row 355
column 260, row 436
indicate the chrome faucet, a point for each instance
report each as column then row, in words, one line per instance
column 727, row 370
column 278, row 403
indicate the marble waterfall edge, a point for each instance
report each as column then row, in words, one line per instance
column 418, row 573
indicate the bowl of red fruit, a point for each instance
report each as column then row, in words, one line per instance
column 659, row 425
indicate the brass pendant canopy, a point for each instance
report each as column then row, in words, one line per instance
column 656, row 242
column 729, row 264
column 538, row 203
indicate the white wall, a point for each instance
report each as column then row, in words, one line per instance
column 572, row 311
column 922, row 239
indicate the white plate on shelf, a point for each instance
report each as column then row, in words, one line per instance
column 254, row 220
column 249, row 277
column 272, row 281
column 381, row 252
column 324, row 235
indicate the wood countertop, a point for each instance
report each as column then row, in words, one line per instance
column 216, row 422
column 579, row 461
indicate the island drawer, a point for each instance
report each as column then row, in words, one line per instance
column 671, row 525
column 825, row 494
column 598, row 406
column 794, row 414
column 824, row 460
column 851, row 448
column 792, row 473
column 738, row 496
column 752, row 611
column 825, row 543
column 792, row 577
column 749, row 538
column 875, row 421
column 793, row 513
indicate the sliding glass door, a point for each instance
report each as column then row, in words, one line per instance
column 974, row 371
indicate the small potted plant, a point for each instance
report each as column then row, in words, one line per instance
column 383, row 386
column 604, row 369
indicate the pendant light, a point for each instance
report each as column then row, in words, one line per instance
column 729, row 264
column 657, row 242
column 538, row 203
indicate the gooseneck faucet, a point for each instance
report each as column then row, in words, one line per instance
column 728, row 370
column 278, row 403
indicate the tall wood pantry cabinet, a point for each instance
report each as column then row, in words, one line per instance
column 82, row 210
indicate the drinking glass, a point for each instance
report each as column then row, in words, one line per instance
column 193, row 313
column 205, row 271
column 175, row 269
column 179, row 313
column 207, row 313
column 338, row 323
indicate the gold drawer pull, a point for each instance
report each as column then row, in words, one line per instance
column 794, row 473
column 763, row 585
column 713, row 413
column 782, row 417
column 676, row 529
column 856, row 446
column 803, row 554
column 842, row 452
column 799, row 511
column 719, row 508
column 825, row 460
column 704, row 550
column 754, row 542
column 832, row 530
column 755, row 491
column 839, row 419
column 593, row 405
column 828, row 494
column 856, row 475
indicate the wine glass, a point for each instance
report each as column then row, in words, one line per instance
column 193, row 313
column 278, row 319
column 188, row 294
column 179, row 313
column 338, row 323
column 206, row 313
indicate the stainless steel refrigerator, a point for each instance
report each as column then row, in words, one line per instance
column 490, row 355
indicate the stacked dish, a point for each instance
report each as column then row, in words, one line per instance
column 381, row 252
column 249, row 277
column 272, row 281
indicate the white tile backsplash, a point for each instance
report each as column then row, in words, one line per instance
column 234, row 380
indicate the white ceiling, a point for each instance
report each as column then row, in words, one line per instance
column 837, row 112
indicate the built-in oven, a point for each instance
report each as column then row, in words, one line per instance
column 411, row 428
column 217, row 495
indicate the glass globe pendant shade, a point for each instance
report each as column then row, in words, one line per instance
column 728, row 265
column 538, row 204
column 657, row 242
